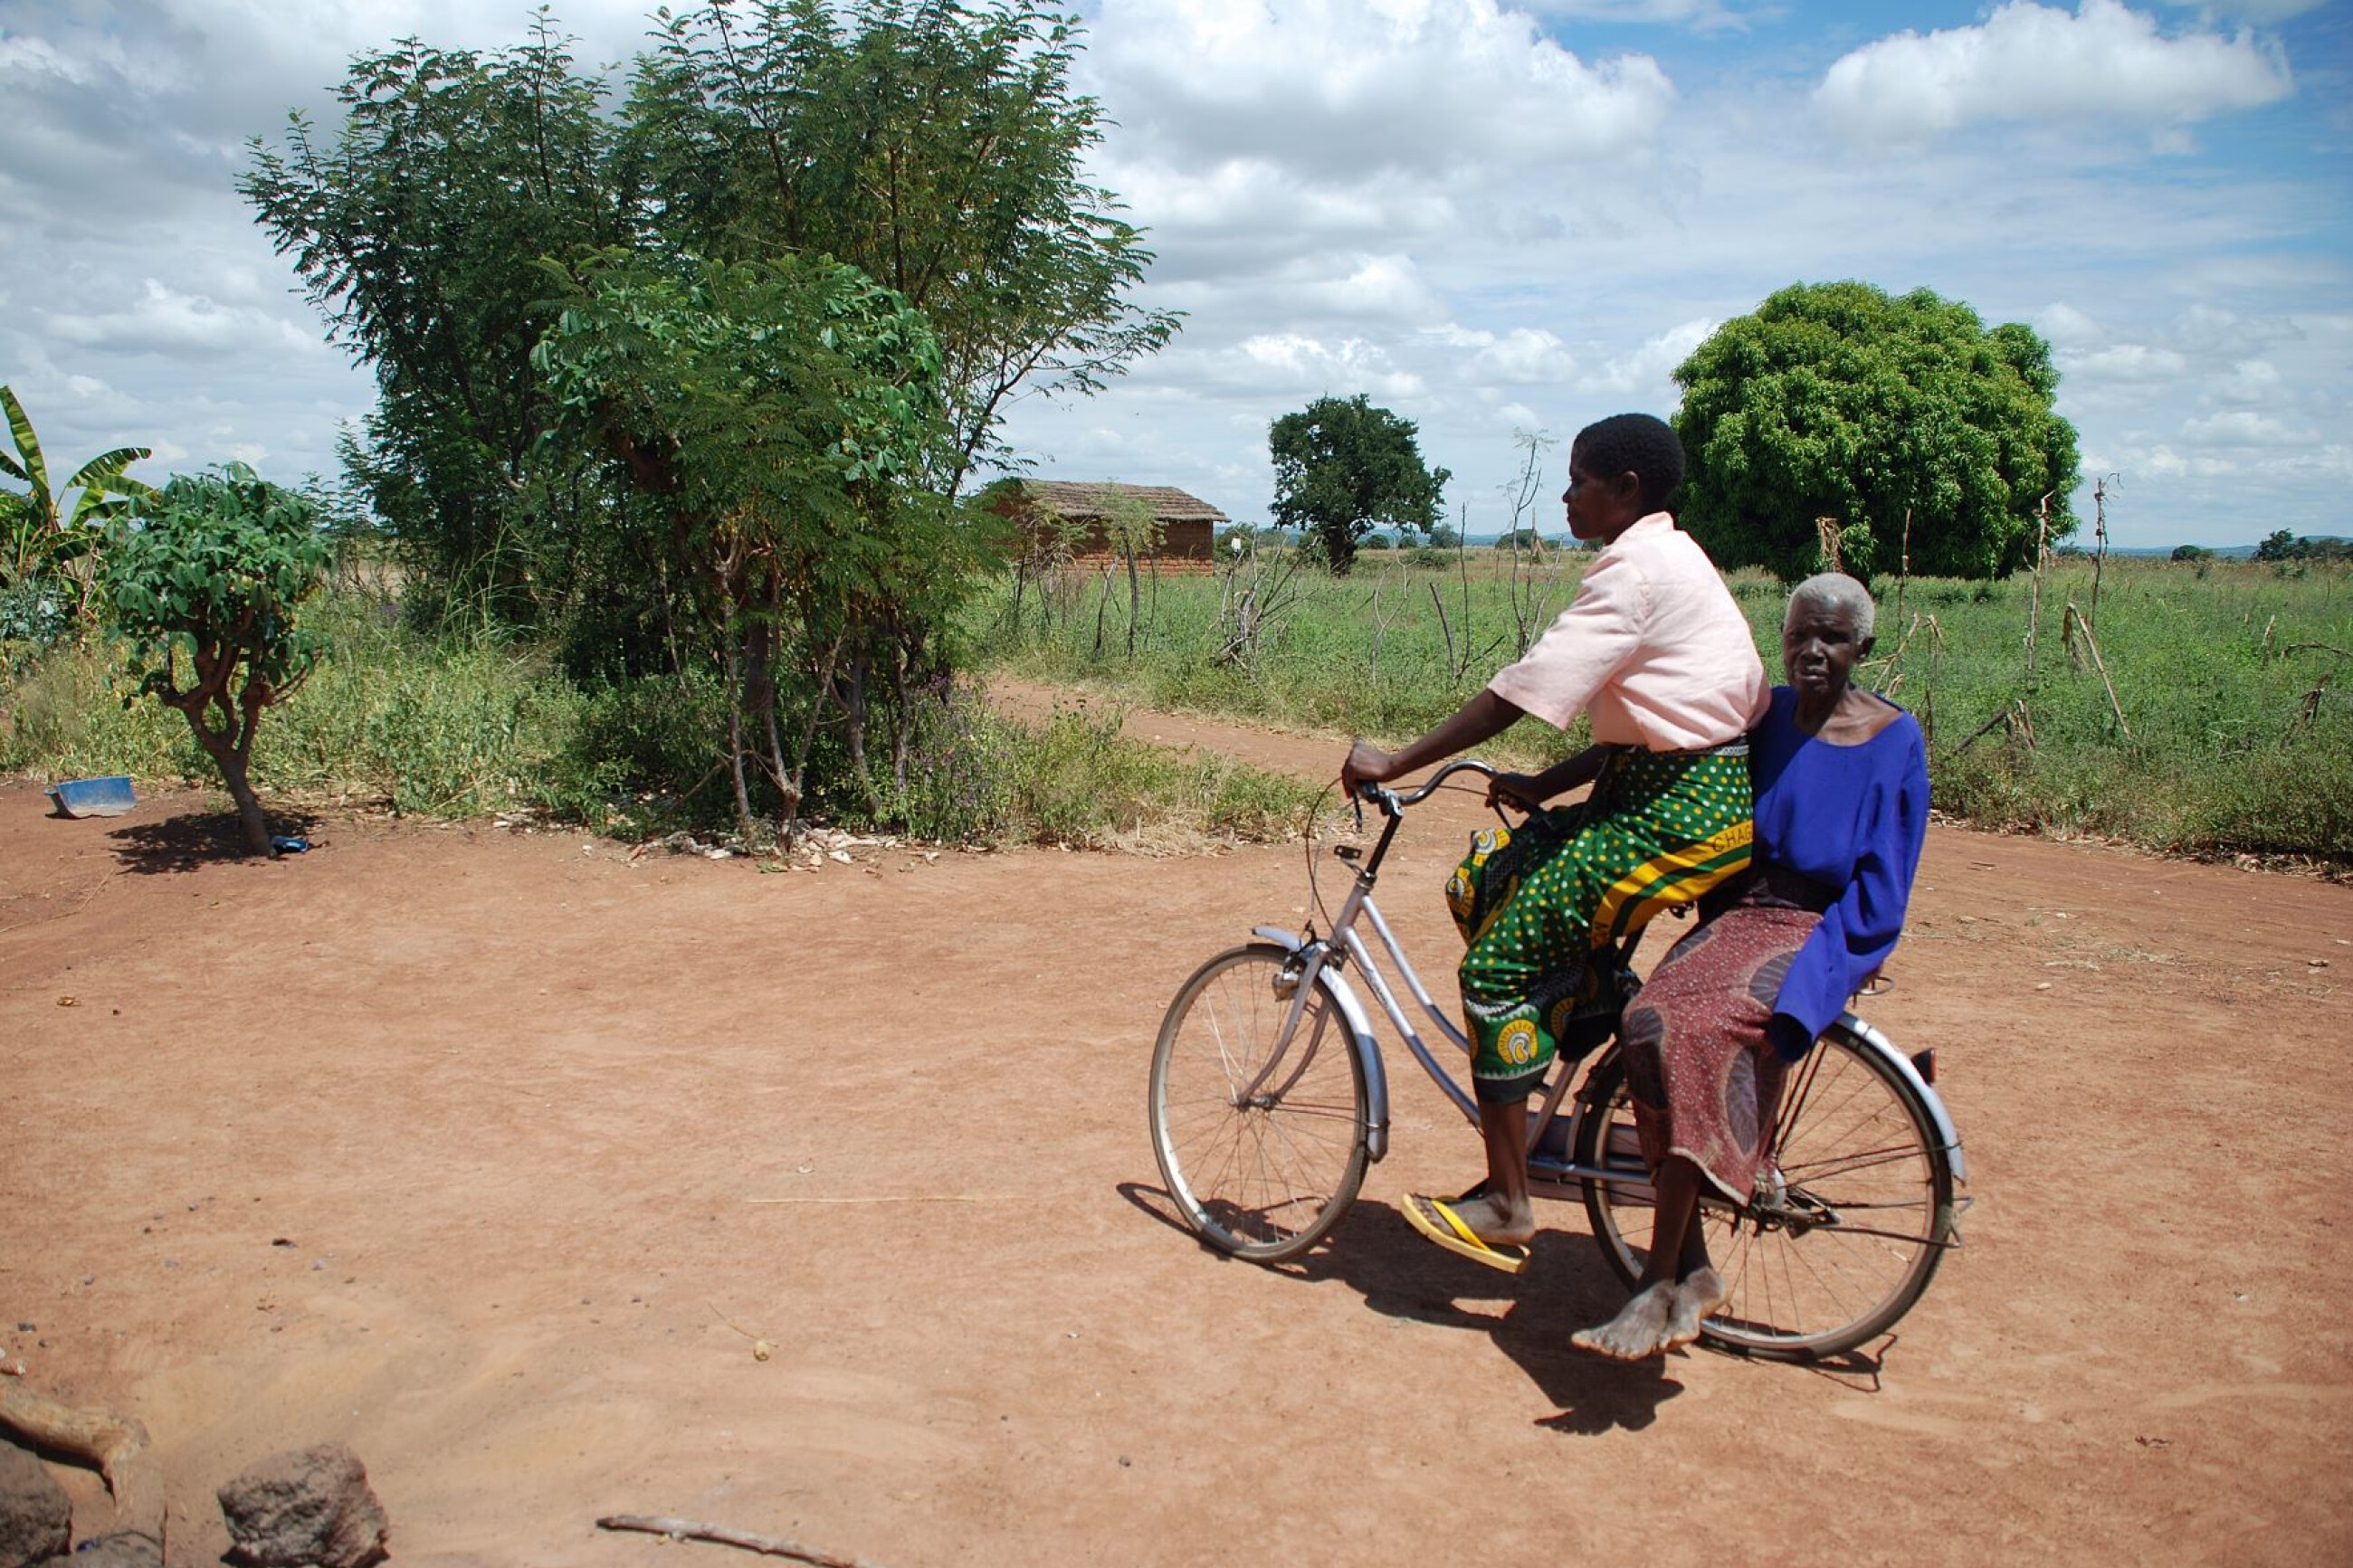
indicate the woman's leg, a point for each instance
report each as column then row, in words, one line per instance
column 1691, row 1042
column 1530, row 903
column 1640, row 1328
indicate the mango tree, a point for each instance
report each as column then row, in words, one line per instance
column 1922, row 433
column 206, row 579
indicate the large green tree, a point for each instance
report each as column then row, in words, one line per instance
column 936, row 146
column 415, row 227
column 1841, row 401
column 1343, row 467
column 780, row 417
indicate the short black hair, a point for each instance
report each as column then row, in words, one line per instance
column 1640, row 442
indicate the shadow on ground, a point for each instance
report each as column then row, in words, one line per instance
column 195, row 839
column 1375, row 1254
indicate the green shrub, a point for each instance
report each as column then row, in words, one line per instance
column 470, row 723
column 206, row 579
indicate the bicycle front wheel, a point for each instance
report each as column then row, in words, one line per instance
column 1837, row 1243
column 1262, row 1140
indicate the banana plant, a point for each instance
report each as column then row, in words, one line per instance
column 40, row 534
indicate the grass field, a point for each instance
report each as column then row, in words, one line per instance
column 2230, row 729
column 467, row 724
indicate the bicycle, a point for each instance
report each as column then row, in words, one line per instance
column 1268, row 1099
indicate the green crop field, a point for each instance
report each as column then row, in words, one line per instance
column 2230, row 729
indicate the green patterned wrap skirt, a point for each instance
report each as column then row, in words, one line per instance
column 1542, row 904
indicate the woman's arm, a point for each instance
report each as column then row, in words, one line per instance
column 1857, row 933
column 1529, row 791
column 1477, row 721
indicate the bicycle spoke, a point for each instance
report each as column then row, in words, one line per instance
column 1844, row 1230
column 1846, row 1165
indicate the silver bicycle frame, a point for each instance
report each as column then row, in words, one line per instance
column 1547, row 1176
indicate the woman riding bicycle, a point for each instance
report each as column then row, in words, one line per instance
column 1841, row 809
column 1656, row 653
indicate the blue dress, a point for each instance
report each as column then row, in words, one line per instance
column 1850, row 822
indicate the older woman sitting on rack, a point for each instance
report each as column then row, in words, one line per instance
column 1841, row 808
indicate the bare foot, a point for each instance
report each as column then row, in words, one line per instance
column 1637, row 1330
column 1701, row 1293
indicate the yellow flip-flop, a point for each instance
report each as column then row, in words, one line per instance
column 1441, row 1224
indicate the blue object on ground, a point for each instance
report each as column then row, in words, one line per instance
column 286, row 845
column 109, row 796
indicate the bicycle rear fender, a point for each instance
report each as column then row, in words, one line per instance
column 1360, row 1038
column 1948, row 1134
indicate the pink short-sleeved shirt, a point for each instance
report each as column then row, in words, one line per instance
column 1653, row 647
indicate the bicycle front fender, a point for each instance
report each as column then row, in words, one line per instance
column 1947, row 1135
column 1360, row 1040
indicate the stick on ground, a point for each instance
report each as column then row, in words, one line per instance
column 116, row 1445
column 691, row 1530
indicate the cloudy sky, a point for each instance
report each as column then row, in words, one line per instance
column 1494, row 216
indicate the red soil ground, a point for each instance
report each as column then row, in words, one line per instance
column 463, row 1146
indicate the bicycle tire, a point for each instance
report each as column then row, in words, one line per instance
column 1269, row 1179
column 1847, row 1244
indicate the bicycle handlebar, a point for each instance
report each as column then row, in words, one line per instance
column 1391, row 802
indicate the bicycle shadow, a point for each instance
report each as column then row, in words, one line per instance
column 1375, row 1254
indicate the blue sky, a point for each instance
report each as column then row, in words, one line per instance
column 1495, row 219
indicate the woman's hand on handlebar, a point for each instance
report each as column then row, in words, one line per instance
column 1367, row 763
column 1522, row 792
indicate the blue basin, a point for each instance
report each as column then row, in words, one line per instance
column 108, row 796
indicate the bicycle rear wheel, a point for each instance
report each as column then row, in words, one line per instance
column 1262, row 1163
column 1833, row 1249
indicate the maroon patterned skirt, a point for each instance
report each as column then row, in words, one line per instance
column 1704, row 1079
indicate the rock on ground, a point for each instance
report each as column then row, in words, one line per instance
column 310, row 1506
column 125, row 1551
column 36, row 1516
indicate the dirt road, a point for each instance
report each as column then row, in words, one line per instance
column 491, row 1154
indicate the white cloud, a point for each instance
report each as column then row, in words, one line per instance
column 1650, row 370
column 2161, row 461
column 2066, row 327
column 1381, row 286
column 2250, row 381
column 2212, row 330
column 2123, row 362
column 2334, row 461
column 2033, row 62
column 2243, row 428
column 166, row 321
column 26, row 61
column 1342, row 88
column 1524, row 356
column 1295, row 365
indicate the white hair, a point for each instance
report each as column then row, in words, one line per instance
column 1835, row 591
